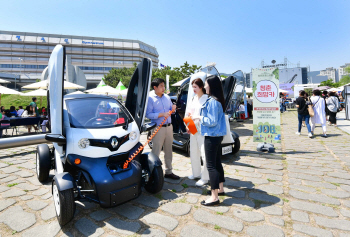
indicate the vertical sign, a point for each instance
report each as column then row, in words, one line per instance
column 167, row 84
column 266, row 113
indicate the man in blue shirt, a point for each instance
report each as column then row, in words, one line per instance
column 158, row 109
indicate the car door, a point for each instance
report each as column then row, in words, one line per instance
column 137, row 96
column 228, row 85
column 55, row 92
column 238, row 90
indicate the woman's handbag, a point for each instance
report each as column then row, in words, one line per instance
column 311, row 111
column 310, row 108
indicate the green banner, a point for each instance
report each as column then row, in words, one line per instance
column 266, row 105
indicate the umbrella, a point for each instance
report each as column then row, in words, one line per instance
column 321, row 88
column 8, row 91
column 103, row 90
column 44, row 84
column 39, row 92
column 4, row 81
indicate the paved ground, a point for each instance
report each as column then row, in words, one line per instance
column 301, row 190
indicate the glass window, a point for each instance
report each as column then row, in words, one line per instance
column 17, row 46
column 96, row 113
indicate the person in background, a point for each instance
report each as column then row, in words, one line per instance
column 333, row 106
column 13, row 111
column 20, row 111
column 281, row 102
column 197, row 140
column 2, row 109
column 325, row 96
column 250, row 106
column 318, row 105
column 29, row 113
column 303, row 112
column 43, row 110
column 213, row 128
column 159, row 105
column 34, row 105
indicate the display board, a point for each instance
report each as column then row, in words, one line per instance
column 290, row 75
column 266, row 112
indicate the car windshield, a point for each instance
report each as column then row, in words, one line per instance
column 96, row 113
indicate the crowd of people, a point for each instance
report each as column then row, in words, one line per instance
column 317, row 109
column 30, row 110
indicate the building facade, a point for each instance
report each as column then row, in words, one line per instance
column 26, row 55
column 342, row 72
column 331, row 73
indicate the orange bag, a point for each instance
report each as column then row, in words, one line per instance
column 190, row 125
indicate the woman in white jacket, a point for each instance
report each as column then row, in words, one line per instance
column 318, row 105
column 197, row 140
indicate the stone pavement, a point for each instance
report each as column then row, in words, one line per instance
column 301, row 190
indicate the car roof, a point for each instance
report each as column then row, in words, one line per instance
column 83, row 96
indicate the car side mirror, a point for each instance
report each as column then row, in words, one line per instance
column 58, row 138
column 148, row 127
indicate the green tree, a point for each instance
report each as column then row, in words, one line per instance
column 175, row 76
column 330, row 83
column 187, row 70
column 119, row 74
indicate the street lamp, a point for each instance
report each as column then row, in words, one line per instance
column 20, row 70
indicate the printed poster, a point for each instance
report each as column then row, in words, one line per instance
column 266, row 111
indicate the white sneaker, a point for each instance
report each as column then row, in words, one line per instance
column 201, row 182
column 310, row 135
column 297, row 133
column 192, row 177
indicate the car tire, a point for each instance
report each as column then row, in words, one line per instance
column 156, row 180
column 43, row 162
column 236, row 146
column 64, row 204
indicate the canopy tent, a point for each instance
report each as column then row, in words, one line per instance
column 179, row 83
column 336, row 89
column 4, row 81
column 104, row 90
column 121, row 89
column 102, row 83
column 249, row 90
column 76, row 92
column 44, row 84
column 321, row 88
column 8, row 91
column 39, row 92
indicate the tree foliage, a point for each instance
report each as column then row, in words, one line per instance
column 177, row 74
column 330, row 83
column 119, row 74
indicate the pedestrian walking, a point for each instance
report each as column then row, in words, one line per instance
column 213, row 127
column 35, row 107
column 197, row 139
column 319, row 117
column 303, row 113
column 333, row 107
column 158, row 108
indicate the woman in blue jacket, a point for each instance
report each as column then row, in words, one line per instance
column 213, row 128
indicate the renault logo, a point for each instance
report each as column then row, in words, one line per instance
column 114, row 142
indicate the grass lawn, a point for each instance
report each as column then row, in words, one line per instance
column 17, row 100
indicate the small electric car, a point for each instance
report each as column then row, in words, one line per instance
column 233, row 87
column 93, row 136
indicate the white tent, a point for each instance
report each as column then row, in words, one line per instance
column 8, row 91
column 76, row 92
column 102, row 83
column 44, row 85
column 249, row 90
column 104, row 90
column 179, row 83
column 283, row 91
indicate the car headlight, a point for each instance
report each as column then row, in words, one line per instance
column 133, row 135
column 83, row 143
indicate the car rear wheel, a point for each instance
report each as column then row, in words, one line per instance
column 236, row 146
column 156, row 180
column 43, row 162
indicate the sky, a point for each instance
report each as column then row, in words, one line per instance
column 236, row 35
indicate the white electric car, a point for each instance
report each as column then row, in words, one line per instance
column 93, row 136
